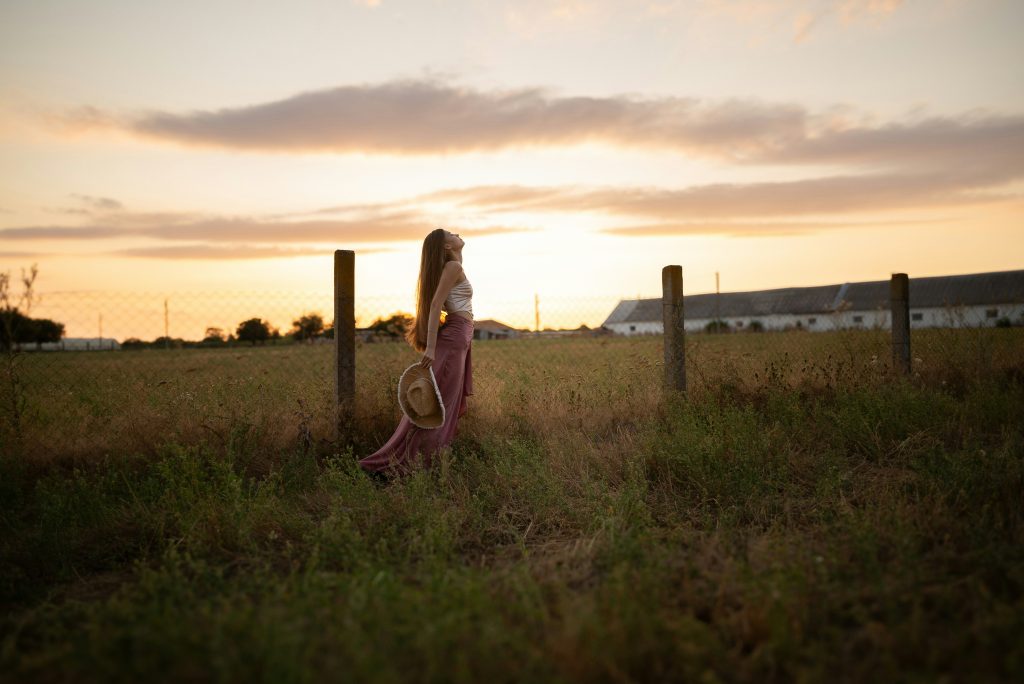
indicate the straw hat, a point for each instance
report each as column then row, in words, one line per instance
column 420, row 398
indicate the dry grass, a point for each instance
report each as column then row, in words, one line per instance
column 82, row 404
column 804, row 514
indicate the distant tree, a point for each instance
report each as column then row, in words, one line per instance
column 329, row 332
column 213, row 337
column 14, row 327
column 133, row 343
column 307, row 326
column 253, row 330
column 716, row 327
column 22, row 329
column 47, row 331
column 394, row 325
column 9, row 310
column 755, row 326
column 168, row 342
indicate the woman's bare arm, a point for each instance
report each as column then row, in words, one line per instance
column 449, row 275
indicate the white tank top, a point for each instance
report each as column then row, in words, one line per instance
column 460, row 298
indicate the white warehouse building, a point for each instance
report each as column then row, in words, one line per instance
column 939, row 301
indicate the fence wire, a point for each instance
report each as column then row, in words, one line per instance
column 186, row 363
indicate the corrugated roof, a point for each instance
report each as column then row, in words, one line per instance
column 796, row 300
column 624, row 309
column 999, row 287
column 491, row 324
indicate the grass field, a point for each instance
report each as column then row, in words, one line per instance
column 804, row 514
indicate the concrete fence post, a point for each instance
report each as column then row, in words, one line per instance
column 344, row 343
column 899, row 303
column 672, row 323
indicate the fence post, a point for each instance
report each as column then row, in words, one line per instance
column 899, row 303
column 672, row 323
column 344, row 343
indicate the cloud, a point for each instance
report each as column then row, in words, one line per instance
column 753, row 228
column 426, row 117
column 924, row 162
column 93, row 206
column 854, row 10
column 22, row 255
column 498, row 197
column 812, row 196
column 414, row 117
column 529, row 19
column 59, row 232
column 972, row 164
column 76, row 121
column 99, row 203
column 394, row 226
column 802, row 14
column 985, row 146
column 223, row 252
column 802, row 25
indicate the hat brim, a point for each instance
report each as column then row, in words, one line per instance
column 429, row 422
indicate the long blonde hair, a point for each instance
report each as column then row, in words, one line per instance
column 432, row 261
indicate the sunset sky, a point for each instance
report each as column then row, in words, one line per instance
column 577, row 147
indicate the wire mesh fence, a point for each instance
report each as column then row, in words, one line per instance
column 197, row 363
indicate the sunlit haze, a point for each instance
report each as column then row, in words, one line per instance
column 199, row 151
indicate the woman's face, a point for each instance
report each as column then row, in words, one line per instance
column 453, row 240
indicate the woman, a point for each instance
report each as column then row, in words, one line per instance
column 442, row 285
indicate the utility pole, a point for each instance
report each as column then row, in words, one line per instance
column 536, row 312
column 101, row 331
column 167, row 337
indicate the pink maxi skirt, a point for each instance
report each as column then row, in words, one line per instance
column 411, row 446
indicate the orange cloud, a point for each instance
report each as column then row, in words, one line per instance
column 830, row 195
column 384, row 227
column 752, row 228
column 424, row 117
column 221, row 252
column 723, row 208
column 22, row 255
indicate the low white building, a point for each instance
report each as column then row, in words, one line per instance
column 76, row 344
column 490, row 329
column 939, row 301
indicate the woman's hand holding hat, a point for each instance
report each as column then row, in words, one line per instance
column 428, row 358
column 420, row 398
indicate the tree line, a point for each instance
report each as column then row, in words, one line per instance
column 20, row 329
column 257, row 331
